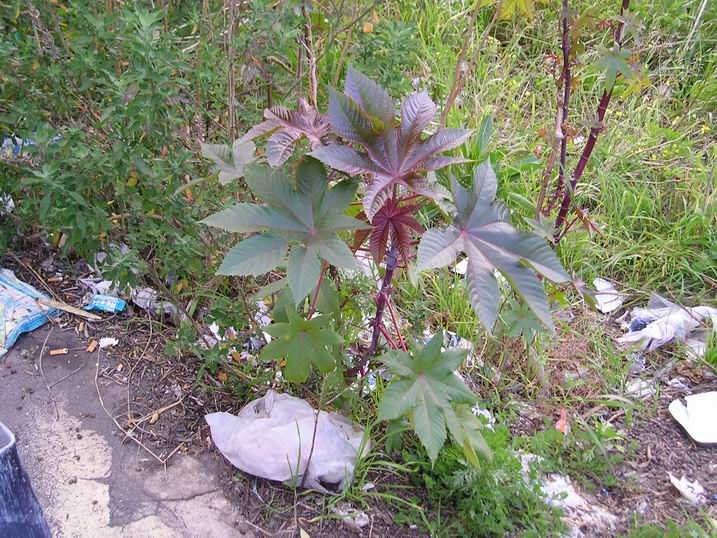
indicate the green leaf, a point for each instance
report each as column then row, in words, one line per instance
column 481, row 232
column 229, row 162
column 302, row 343
column 309, row 217
column 614, row 61
column 485, row 132
column 424, row 386
column 254, row 256
column 303, row 271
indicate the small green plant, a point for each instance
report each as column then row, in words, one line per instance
column 497, row 499
column 589, row 455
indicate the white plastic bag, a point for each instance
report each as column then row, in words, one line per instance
column 271, row 437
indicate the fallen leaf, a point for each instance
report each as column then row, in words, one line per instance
column 562, row 424
column 367, row 28
column 222, row 377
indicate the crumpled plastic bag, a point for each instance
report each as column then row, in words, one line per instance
column 663, row 322
column 271, row 438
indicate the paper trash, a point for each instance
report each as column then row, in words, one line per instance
column 271, row 437
column 19, row 310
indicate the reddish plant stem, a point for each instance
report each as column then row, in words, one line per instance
column 566, row 77
column 594, row 133
column 401, row 342
column 386, row 335
column 382, row 298
column 315, row 298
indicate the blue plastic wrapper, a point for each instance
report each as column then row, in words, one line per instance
column 20, row 311
column 106, row 303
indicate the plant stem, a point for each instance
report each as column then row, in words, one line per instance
column 391, row 259
column 590, row 144
column 401, row 341
column 566, row 78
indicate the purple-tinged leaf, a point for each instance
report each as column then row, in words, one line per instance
column 371, row 97
column 281, row 145
column 416, row 113
column 345, row 159
column 347, row 119
column 439, row 142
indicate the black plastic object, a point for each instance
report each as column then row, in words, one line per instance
column 20, row 513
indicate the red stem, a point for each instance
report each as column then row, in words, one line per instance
column 566, row 76
column 401, row 342
column 594, row 132
column 390, row 341
column 312, row 309
column 391, row 259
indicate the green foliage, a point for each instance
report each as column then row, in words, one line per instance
column 302, row 343
column 308, row 217
column 425, row 390
column 103, row 112
column 495, row 500
column 588, row 455
column 481, row 231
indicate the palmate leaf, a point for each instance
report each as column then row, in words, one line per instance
column 425, row 389
column 304, row 221
column 286, row 127
column 229, row 162
column 392, row 222
column 392, row 154
column 302, row 343
column 614, row 61
column 481, row 231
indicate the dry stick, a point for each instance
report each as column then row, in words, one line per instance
column 333, row 37
column 552, row 159
column 695, row 26
column 463, row 69
column 565, row 77
column 342, row 57
column 594, row 132
column 310, row 56
column 128, row 435
column 42, row 373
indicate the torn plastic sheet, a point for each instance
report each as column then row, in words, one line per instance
column 664, row 322
column 692, row 491
column 7, row 204
column 148, row 299
column 271, row 437
column 697, row 416
column 20, row 312
column 608, row 299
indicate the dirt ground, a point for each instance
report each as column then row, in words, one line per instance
column 92, row 479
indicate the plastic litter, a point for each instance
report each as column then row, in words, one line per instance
column 108, row 341
column 664, row 322
column 147, row 299
column 7, row 204
column 692, row 491
column 271, row 437
column 697, row 416
column 20, row 311
column 354, row 518
column 106, row 303
column 641, row 388
column 580, row 514
column 607, row 297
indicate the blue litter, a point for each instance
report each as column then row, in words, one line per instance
column 20, row 312
column 106, row 303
